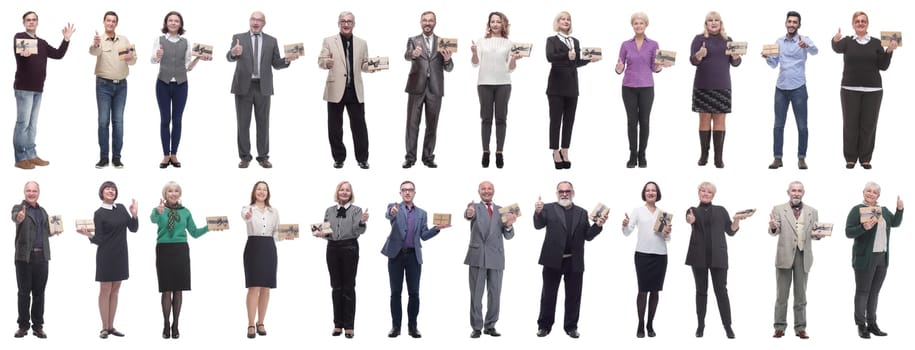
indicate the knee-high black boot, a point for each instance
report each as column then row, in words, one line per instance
column 718, row 140
column 704, row 138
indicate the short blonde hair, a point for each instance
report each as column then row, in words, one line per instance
column 714, row 15
column 709, row 186
column 352, row 195
column 639, row 15
column 860, row 13
column 171, row 184
column 556, row 21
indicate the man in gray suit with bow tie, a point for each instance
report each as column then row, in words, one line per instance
column 486, row 258
column 254, row 53
column 426, row 86
column 793, row 223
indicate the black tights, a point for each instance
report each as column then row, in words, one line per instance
column 652, row 301
column 171, row 301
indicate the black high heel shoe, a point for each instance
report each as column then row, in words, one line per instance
column 251, row 332
column 500, row 162
column 337, row 332
column 565, row 163
column 559, row 164
column 175, row 334
column 485, row 160
column 166, row 333
column 259, row 331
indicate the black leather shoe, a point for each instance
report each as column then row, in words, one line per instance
column 729, row 332
column 543, row 332
column 38, row 332
column 866, row 165
column 166, row 332
column 175, row 333
column 337, row 332
column 640, row 333
column 117, row 163
column 163, row 165
column 338, row 164
column 492, row 332
column 485, row 160
column 873, row 327
column 394, row 332
column 408, row 164
column 430, row 164
column 261, row 330
column 251, row 333
column 500, row 161
column 363, row 165
column 115, row 333
column 244, row 163
column 174, row 163
column 849, row 165
column 633, row 160
column 475, row 334
column 101, row 163
column 415, row 333
column 863, row 332
column 651, row 333
column 349, row 335
column 21, row 332
column 643, row 163
column 574, row 334
column 777, row 163
column 700, row 331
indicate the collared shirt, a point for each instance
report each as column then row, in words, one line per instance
column 792, row 60
column 109, row 64
column 260, row 50
column 107, row 206
column 173, row 39
column 411, row 227
column 799, row 227
column 639, row 62
column 263, row 222
column 41, row 224
column 566, row 39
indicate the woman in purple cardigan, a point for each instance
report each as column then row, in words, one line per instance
column 712, row 85
column 637, row 60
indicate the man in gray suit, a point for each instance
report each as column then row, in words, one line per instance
column 254, row 52
column 486, row 258
column 425, row 86
column 793, row 223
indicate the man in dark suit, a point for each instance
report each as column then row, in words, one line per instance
column 793, row 223
column 405, row 256
column 563, row 255
column 486, row 258
column 345, row 56
column 33, row 251
column 254, row 53
column 425, row 86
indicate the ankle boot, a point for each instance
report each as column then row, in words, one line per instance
column 718, row 140
column 643, row 163
column 704, row 137
column 485, row 160
column 500, row 162
column 633, row 160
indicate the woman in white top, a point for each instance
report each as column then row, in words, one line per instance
column 173, row 54
column 650, row 253
column 493, row 55
column 260, row 258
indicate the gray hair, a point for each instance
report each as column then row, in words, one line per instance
column 873, row 185
column 344, row 13
column 795, row 182
column 639, row 15
column 709, row 186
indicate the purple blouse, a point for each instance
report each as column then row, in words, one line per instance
column 639, row 62
column 714, row 71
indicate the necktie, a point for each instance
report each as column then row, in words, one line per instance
column 489, row 208
column 349, row 62
column 257, row 56
column 428, row 47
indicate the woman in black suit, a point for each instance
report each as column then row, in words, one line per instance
column 563, row 52
column 708, row 252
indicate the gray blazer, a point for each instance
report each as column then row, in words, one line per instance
column 244, row 64
column 395, row 241
column 486, row 249
column 787, row 235
column 427, row 70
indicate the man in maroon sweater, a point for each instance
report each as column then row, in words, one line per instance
column 32, row 55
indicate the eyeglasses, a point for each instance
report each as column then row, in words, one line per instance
column 349, row 22
column 407, row 190
column 564, row 192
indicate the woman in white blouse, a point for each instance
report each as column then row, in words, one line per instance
column 495, row 59
column 650, row 253
column 260, row 258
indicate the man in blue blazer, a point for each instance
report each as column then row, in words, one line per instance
column 254, row 53
column 404, row 251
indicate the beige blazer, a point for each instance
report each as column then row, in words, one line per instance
column 336, row 75
column 786, row 232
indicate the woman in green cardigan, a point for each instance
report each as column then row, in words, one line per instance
column 869, row 225
column 173, row 261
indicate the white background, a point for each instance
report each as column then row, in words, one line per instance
column 303, row 179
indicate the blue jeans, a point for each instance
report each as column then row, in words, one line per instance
column 798, row 100
column 27, row 103
column 172, row 98
column 111, row 98
column 405, row 263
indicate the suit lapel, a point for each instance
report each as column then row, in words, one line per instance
column 561, row 216
column 789, row 213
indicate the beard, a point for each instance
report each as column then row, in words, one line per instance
column 795, row 201
column 565, row 202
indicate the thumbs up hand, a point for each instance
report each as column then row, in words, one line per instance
column 626, row 220
column 329, row 60
column 96, row 40
column 21, row 215
column 161, row 208
column 702, row 52
column 470, row 212
column 236, row 50
column 159, row 52
column 838, row 35
column 690, row 218
column 538, row 206
column 365, row 216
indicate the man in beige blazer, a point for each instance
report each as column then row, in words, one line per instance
column 793, row 223
column 345, row 56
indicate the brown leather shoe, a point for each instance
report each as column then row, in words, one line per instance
column 265, row 164
column 39, row 162
column 244, row 163
column 778, row 333
column 25, row 164
column 802, row 334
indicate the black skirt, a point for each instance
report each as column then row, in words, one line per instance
column 173, row 267
column 650, row 270
column 260, row 262
column 711, row 101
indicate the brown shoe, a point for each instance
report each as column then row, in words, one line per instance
column 802, row 334
column 25, row 164
column 39, row 162
column 779, row 333
column 265, row 164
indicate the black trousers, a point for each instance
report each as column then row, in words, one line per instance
column 573, row 281
column 562, row 117
column 243, row 106
column 493, row 102
column 356, row 112
column 342, row 262
column 859, row 124
column 638, row 102
column 720, row 284
column 31, row 279
column 867, row 289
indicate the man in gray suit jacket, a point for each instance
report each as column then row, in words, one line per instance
column 403, row 248
column 486, row 258
column 254, row 53
column 426, row 86
column 793, row 223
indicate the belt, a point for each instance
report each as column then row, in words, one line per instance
column 564, row 256
column 37, row 250
column 113, row 81
column 255, row 80
column 407, row 250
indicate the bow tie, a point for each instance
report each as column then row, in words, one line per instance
column 798, row 207
column 341, row 212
